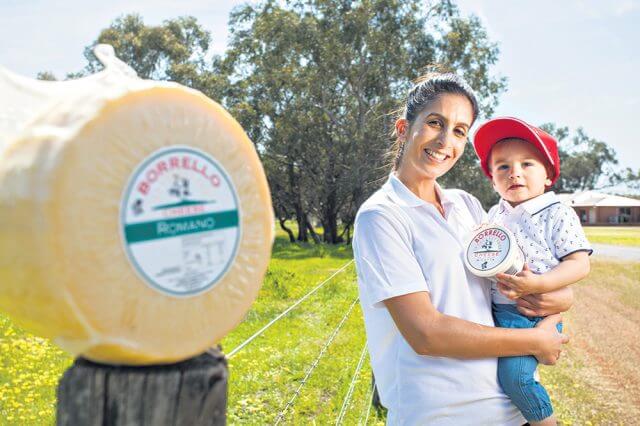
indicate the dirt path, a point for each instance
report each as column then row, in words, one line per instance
column 606, row 336
column 627, row 253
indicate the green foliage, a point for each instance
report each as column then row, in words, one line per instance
column 314, row 84
column 46, row 76
column 586, row 163
column 175, row 50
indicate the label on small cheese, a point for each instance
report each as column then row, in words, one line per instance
column 180, row 221
column 488, row 249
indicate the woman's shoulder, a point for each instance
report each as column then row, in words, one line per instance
column 380, row 221
column 377, row 205
column 379, row 211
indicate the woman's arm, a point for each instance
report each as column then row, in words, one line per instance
column 430, row 332
column 541, row 305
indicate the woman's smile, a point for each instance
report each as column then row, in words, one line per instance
column 436, row 156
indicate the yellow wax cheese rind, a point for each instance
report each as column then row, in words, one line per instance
column 65, row 272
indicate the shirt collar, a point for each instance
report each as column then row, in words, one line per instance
column 401, row 195
column 532, row 206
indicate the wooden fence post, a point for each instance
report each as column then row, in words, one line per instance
column 192, row 392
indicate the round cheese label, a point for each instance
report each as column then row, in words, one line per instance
column 180, row 221
column 488, row 248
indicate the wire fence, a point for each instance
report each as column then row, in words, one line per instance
column 352, row 385
column 286, row 311
column 280, row 416
column 291, row 399
column 368, row 403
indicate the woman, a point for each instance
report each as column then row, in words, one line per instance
column 430, row 332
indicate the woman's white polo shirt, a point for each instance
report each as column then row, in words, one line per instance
column 403, row 245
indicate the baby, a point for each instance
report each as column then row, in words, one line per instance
column 522, row 161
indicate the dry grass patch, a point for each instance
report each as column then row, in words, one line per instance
column 615, row 235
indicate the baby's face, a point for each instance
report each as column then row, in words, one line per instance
column 518, row 171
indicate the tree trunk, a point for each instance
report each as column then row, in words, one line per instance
column 292, row 238
column 193, row 392
column 330, row 224
column 330, row 218
column 347, row 231
column 295, row 190
column 302, row 224
column 314, row 235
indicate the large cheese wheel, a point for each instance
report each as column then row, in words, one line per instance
column 135, row 218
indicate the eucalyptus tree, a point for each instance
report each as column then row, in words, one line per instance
column 315, row 83
column 587, row 163
column 176, row 50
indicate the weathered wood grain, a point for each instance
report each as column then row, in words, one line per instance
column 193, row 392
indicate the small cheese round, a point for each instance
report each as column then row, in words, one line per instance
column 492, row 249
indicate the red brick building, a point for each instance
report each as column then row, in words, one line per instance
column 596, row 208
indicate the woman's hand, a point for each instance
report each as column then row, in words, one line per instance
column 550, row 340
column 540, row 305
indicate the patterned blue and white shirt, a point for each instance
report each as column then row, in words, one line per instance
column 546, row 230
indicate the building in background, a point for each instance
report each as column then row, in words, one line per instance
column 596, row 208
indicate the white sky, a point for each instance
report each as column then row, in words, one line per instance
column 572, row 62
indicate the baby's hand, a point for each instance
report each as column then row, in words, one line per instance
column 523, row 283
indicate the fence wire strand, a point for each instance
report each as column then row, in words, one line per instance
column 352, row 385
column 369, row 403
column 280, row 416
column 273, row 321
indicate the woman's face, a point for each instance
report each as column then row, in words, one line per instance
column 436, row 138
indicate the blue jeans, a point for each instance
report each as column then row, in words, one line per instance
column 515, row 373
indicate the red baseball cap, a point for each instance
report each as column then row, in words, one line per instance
column 493, row 131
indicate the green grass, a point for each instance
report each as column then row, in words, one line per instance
column 623, row 278
column 29, row 371
column 615, row 235
column 574, row 403
column 574, row 400
column 266, row 373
